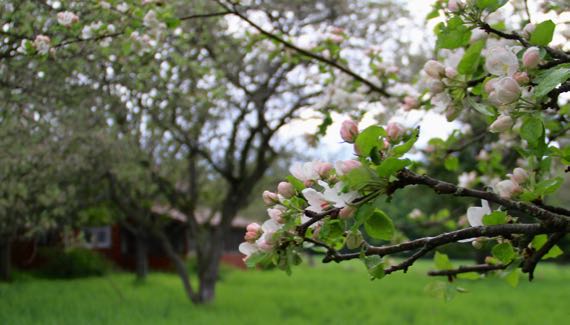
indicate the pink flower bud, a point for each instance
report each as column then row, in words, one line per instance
column 253, row 232
column 507, row 188
column 394, row 131
column 349, row 131
column 347, row 212
column 286, row 189
column 343, row 167
column 520, row 176
column 528, row 30
column 436, row 86
column 450, row 72
column 490, row 85
column 454, row 5
column 277, row 213
column 270, row 198
column 323, row 169
column 501, row 124
column 506, row 91
column 410, row 103
column 531, row 57
column 521, row 77
column 434, row 69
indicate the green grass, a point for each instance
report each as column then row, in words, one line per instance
column 326, row 294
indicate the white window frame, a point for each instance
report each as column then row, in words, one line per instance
column 93, row 241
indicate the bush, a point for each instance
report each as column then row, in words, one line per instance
column 73, row 263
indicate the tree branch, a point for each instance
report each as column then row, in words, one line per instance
column 531, row 262
column 480, row 268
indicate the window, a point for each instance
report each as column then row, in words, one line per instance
column 97, row 237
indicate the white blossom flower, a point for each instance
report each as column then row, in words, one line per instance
column 42, row 44
column 67, row 18
column 501, row 62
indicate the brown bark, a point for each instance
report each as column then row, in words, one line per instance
column 141, row 257
column 179, row 265
column 209, row 250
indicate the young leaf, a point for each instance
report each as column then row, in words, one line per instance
column 471, row 59
column 451, row 163
column 369, row 139
column 391, row 166
column 490, row 5
column 503, row 252
column 532, row 131
column 400, row 150
column 542, row 34
column 495, row 218
column 513, row 277
column 375, row 266
column 442, row 261
column 454, row 35
column 379, row 225
column 551, row 81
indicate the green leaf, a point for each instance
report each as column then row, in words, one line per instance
column 369, row 139
column 297, row 184
column 454, row 35
column 375, row 266
column 451, row 163
column 513, row 278
column 391, row 166
column 542, row 34
column 471, row 59
column 481, row 108
column 551, row 81
column 256, row 258
column 503, row 252
column 442, row 261
column 441, row 290
column 495, row 218
column 532, row 131
column 490, row 5
column 379, row 225
column 469, row 276
column 548, row 186
column 354, row 239
column 539, row 241
column 358, row 178
column 400, row 150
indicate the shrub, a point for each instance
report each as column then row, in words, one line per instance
column 73, row 263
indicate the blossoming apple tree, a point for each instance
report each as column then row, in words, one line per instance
column 513, row 81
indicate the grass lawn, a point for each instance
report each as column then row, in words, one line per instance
column 326, row 294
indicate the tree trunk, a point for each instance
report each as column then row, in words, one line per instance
column 5, row 259
column 179, row 264
column 209, row 251
column 141, row 257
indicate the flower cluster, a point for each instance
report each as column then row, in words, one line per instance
column 67, row 18
column 512, row 186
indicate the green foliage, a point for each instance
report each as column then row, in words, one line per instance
column 402, row 149
column 390, row 166
column 453, row 35
column 471, row 59
column 375, row 266
column 504, row 252
column 369, row 139
column 490, row 5
column 542, row 34
column 451, row 163
column 441, row 261
column 379, row 226
column 550, row 81
column 539, row 241
column 73, row 263
column 495, row 218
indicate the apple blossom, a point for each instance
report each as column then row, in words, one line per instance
column 450, row 72
column 455, row 5
column 467, row 179
column 394, row 131
column 531, row 57
column 323, row 169
column 501, row 124
column 507, row 188
column 520, row 176
column 506, row 90
column 329, row 198
column 270, row 198
column 410, row 103
column 475, row 214
column 253, row 232
column 285, row 189
column 347, row 212
column 276, row 213
column 434, row 69
column 42, row 44
column 521, row 77
column 501, row 61
column 343, row 167
column 435, row 86
column 67, row 18
column 306, row 172
column 349, row 131
column 123, row 7
column 248, row 249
